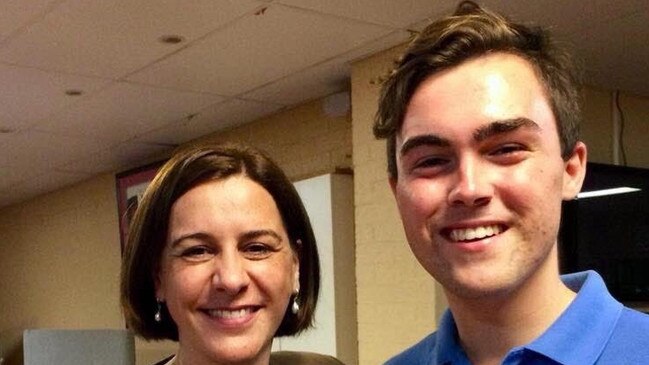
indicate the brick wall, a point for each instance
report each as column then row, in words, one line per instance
column 396, row 297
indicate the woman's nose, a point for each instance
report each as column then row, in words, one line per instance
column 230, row 275
column 472, row 187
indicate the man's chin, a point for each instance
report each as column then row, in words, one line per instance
column 475, row 286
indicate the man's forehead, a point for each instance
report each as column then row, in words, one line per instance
column 493, row 87
column 491, row 72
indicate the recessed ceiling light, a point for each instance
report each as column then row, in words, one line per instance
column 73, row 92
column 171, row 39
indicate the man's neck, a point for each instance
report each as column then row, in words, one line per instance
column 490, row 327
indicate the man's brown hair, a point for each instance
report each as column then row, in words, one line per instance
column 472, row 32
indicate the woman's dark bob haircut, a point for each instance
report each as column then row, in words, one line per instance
column 147, row 235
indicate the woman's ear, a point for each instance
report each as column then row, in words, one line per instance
column 296, row 275
column 574, row 171
column 159, row 291
column 296, row 281
column 296, row 267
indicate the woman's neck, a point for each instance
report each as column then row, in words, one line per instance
column 189, row 357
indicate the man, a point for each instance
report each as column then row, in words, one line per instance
column 481, row 119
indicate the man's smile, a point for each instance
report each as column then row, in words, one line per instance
column 473, row 233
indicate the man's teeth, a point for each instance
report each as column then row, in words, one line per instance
column 229, row 314
column 467, row 234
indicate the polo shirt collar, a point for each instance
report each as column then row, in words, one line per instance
column 582, row 331
column 577, row 337
column 447, row 348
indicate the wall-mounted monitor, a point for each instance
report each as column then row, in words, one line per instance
column 607, row 229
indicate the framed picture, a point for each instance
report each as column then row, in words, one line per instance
column 131, row 185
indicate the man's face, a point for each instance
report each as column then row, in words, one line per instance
column 481, row 178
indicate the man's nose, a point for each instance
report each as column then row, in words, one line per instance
column 472, row 186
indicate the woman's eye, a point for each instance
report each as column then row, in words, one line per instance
column 257, row 250
column 197, row 253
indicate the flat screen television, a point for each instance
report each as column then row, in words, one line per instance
column 608, row 231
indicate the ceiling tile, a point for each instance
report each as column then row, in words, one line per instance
column 312, row 83
column 380, row 44
column 113, row 38
column 221, row 116
column 258, row 49
column 27, row 94
column 45, row 182
column 399, row 14
column 13, row 174
column 18, row 13
column 120, row 157
column 43, row 151
column 124, row 110
column 323, row 79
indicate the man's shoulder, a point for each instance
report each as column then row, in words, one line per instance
column 420, row 353
column 634, row 324
column 629, row 342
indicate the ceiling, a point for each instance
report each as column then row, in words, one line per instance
column 238, row 60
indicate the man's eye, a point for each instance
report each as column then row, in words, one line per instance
column 508, row 149
column 430, row 162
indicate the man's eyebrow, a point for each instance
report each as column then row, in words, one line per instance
column 423, row 140
column 503, row 126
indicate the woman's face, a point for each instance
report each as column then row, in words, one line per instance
column 227, row 271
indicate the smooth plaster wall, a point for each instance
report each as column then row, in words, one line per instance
column 59, row 263
column 636, row 114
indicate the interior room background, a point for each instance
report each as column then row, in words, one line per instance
column 60, row 251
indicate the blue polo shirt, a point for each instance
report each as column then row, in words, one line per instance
column 594, row 329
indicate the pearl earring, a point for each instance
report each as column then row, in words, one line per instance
column 158, row 314
column 295, row 307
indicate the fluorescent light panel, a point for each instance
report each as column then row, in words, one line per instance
column 603, row 192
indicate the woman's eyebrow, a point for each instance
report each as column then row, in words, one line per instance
column 503, row 126
column 195, row 235
column 259, row 233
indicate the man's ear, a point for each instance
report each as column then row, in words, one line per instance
column 574, row 171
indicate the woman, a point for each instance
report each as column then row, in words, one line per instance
column 220, row 257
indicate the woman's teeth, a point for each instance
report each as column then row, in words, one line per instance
column 467, row 234
column 229, row 314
